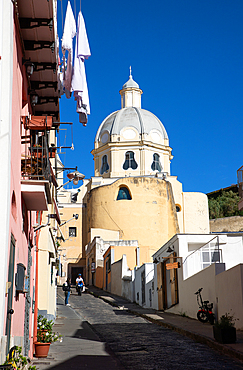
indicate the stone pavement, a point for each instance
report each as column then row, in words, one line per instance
column 194, row 329
column 81, row 342
column 81, row 346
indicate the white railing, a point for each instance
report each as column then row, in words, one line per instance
column 202, row 257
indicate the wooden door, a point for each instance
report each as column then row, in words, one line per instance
column 160, row 268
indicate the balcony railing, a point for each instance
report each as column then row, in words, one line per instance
column 35, row 162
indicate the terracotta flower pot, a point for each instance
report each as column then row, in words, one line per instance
column 41, row 349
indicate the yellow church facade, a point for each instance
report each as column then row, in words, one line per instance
column 133, row 200
column 133, row 193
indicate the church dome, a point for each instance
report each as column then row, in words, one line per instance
column 141, row 120
column 131, row 83
column 131, row 141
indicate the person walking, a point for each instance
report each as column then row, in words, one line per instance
column 67, row 290
column 79, row 284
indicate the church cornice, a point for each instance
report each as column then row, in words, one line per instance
column 135, row 144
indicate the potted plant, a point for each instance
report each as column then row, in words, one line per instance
column 224, row 330
column 45, row 336
column 15, row 360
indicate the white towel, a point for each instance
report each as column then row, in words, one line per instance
column 79, row 82
column 67, row 44
column 69, row 29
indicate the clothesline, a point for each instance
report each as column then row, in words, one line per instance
column 75, row 10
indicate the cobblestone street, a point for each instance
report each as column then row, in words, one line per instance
column 139, row 344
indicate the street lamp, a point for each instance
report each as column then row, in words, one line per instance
column 75, row 215
column 75, row 177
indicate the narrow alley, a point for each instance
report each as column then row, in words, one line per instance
column 99, row 335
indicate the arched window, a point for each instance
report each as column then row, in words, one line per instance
column 123, row 193
column 130, row 161
column 156, row 165
column 14, row 206
column 104, row 166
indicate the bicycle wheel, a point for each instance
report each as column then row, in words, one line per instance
column 211, row 318
column 202, row 316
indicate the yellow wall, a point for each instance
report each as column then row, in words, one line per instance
column 129, row 251
column 71, row 250
column 46, row 290
column 150, row 216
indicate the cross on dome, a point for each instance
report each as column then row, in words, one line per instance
column 131, row 93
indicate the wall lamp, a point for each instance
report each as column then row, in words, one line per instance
column 33, row 97
column 75, row 177
column 75, row 215
column 170, row 250
column 29, row 66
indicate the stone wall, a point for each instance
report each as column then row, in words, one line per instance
column 234, row 223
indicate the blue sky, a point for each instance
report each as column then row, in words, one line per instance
column 186, row 56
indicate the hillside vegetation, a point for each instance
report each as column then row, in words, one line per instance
column 225, row 205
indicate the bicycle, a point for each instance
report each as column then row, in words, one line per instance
column 204, row 313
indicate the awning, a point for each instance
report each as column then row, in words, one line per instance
column 34, row 195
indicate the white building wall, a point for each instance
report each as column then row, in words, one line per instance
column 6, row 76
column 222, row 283
column 195, row 213
column 229, row 290
column 148, row 268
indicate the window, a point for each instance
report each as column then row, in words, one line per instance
column 104, row 166
column 130, row 161
column 123, row 194
column 210, row 254
column 73, row 231
column 14, row 206
column 156, row 165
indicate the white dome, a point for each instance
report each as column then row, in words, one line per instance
column 143, row 121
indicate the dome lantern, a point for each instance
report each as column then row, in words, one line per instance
column 130, row 93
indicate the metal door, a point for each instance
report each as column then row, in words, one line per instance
column 27, row 307
column 10, row 290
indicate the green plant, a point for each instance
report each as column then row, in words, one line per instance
column 45, row 332
column 17, row 360
column 225, row 321
column 183, row 314
column 224, row 205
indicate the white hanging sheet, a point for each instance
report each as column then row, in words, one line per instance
column 79, row 82
column 67, row 44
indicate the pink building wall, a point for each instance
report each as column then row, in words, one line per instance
column 19, row 92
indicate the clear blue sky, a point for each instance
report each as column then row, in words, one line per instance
column 187, row 57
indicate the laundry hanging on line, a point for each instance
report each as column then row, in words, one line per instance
column 67, row 44
column 79, row 82
column 74, row 76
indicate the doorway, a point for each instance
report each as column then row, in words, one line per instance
column 74, row 273
column 167, row 283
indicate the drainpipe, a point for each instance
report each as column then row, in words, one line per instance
column 39, row 217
